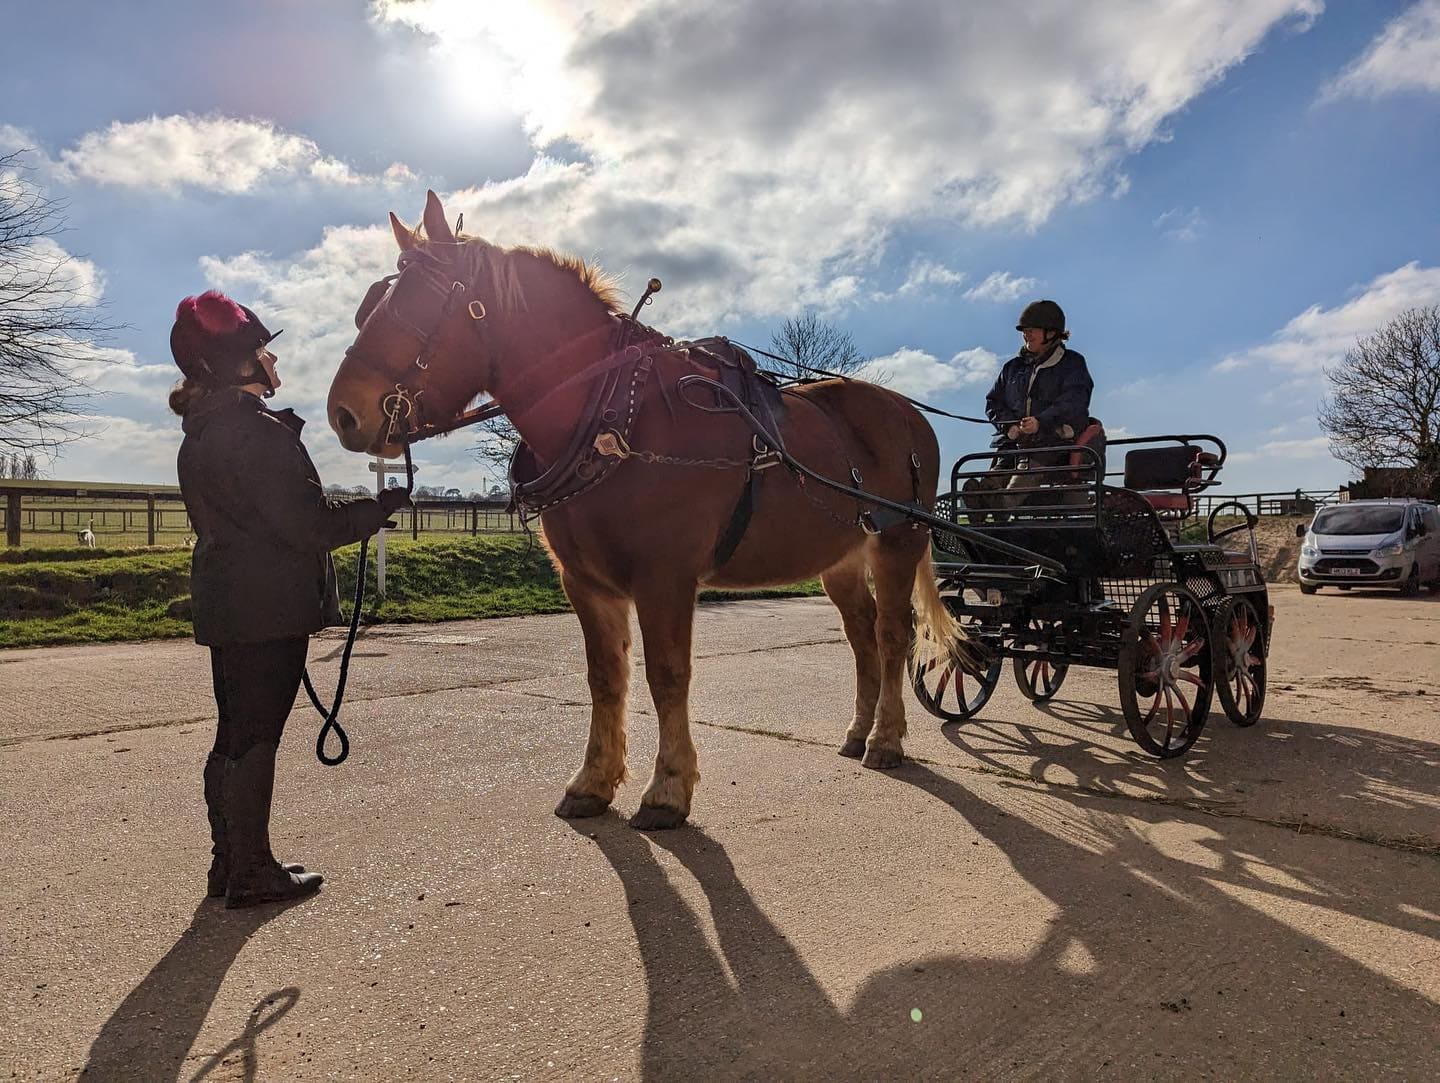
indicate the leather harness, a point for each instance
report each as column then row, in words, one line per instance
column 618, row 381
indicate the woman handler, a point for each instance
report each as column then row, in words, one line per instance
column 261, row 575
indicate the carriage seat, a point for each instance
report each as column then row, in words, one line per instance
column 1092, row 437
column 1167, row 477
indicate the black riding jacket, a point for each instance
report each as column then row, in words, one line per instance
column 1055, row 393
column 264, row 528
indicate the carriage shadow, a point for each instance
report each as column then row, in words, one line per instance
column 1221, row 770
column 1170, row 960
column 150, row 1034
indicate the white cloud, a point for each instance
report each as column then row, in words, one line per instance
column 915, row 372
column 1178, row 225
column 75, row 279
column 755, row 173
column 925, row 273
column 120, row 449
column 312, row 297
column 1404, row 56
column 1319, row 337
column 117, row 371
column 1315, row 447
column 218, row 153
column 1001, row 286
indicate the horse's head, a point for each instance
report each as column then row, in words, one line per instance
column 404, row 370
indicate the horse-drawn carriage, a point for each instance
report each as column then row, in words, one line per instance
column 1122, row 577
column 650, row 464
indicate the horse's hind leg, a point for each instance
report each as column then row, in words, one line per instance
column 605, row 621
column 667, row 618
column 845, row 584
column 893, row 559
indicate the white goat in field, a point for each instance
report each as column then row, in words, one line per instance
column 86, row 537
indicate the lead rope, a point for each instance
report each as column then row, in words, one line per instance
column 331, row 715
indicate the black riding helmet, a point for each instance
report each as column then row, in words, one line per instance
column 214, row 341
column 1045, row 315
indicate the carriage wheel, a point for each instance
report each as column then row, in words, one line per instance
column 946, row 690
column 1166, row 661
column 1039, row 679
column 1241, row 646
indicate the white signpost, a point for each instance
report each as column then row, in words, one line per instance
column 380, row 468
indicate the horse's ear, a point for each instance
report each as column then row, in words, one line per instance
column 404, row 235
column 436, row 228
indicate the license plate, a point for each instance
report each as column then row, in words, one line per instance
column 1347, row 571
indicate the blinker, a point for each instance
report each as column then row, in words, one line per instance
column 373, row 296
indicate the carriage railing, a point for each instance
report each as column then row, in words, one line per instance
column 1065, row 495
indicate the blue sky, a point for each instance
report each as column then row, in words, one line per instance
column 1222, row 196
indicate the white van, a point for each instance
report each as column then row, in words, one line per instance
column 1372, row 543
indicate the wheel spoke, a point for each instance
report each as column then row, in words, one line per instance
column 1193, row 679
column 1164, row 618
column 1181, row 695
column 941, row 685
column 1154, row 706
column 1169, row 718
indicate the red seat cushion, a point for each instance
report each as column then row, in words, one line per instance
column 1168, row 501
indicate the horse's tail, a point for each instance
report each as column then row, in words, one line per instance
column 936, row 630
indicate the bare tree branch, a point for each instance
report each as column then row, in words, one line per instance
column 47, row 318
column 809, row 340
column 1383, row 409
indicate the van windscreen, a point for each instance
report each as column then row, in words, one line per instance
column 1359, row 520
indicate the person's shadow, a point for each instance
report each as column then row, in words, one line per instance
column 151, row 1033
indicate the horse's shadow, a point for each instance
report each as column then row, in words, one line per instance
column 1133, row 973
column 150, row 1035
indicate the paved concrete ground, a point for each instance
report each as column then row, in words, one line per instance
column 1029, row 898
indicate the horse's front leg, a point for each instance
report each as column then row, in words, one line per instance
column 605, row 621
column 667, row 617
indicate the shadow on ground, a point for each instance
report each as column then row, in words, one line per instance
column 150, row 1034
column 1169, row 953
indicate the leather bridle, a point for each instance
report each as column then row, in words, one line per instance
column 421, row 297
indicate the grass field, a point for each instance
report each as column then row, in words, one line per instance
column 79, row 596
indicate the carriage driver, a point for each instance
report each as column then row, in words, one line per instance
column 1041, row 398
column 261, row 579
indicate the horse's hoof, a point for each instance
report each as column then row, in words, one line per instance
column 882, row 759
column 853, row 747
column 578, row 806
column 656, row 818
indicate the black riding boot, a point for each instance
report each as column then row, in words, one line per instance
column 255, row 877
column 219, row 874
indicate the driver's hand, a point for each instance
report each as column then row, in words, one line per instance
column 1013, row 432
column 1029, row 426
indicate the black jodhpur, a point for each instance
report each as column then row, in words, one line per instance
column 255, row 687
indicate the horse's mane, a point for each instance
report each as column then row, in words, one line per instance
column 597, row 281
column 499, row 264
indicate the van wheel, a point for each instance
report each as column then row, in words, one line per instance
column 1305, row 588
column 1412, row 584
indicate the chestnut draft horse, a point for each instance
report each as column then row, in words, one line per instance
column 637, row 512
